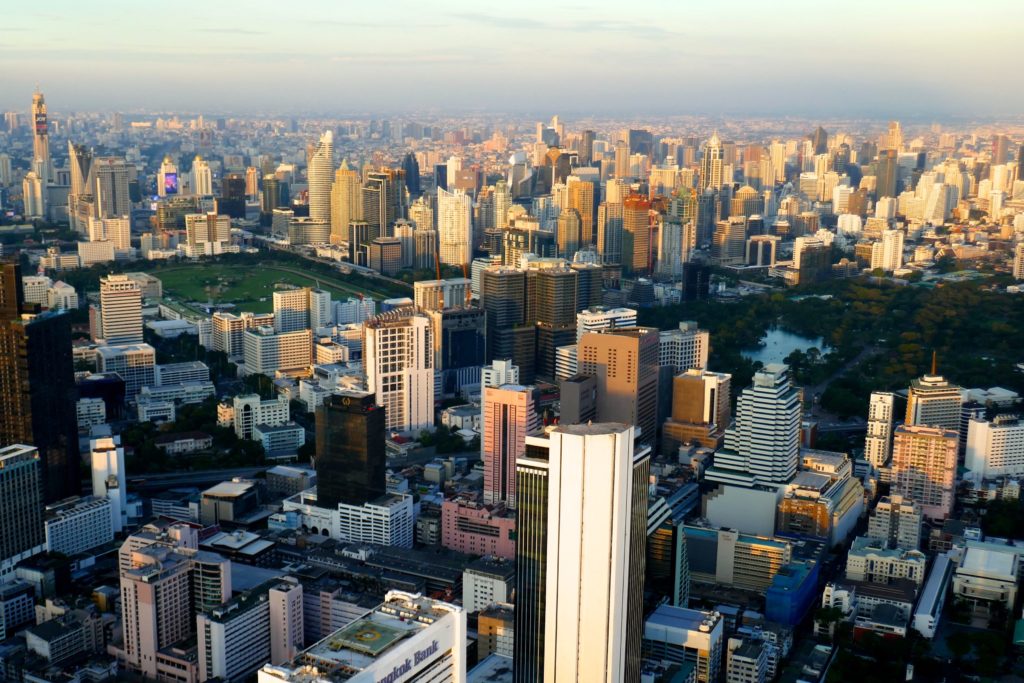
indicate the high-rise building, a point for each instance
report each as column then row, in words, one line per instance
column 320, row 171
column 887, row 173
column 118, row 231
column 551, row 306
column 700, row 410
column 878, row 442
column 682, row 635
column 994, row 448
column 350, row 460
column 509, row 337
column 924, row 463
column 108, row 477
column 684, row 348
column 580, row 555
column 896, row 521
column 202, row 177
column 568, row 232
column 636, row 234
column 208, row 228
column 1018, row 257
column 346, row 202
column 111, row 192
column 34, row 195
column 121, row 310
column 398, row 360
column 42, row 165
column 291, row 309
column 21, row 493
column 887, row 254
column 763, row 445
column 455, row 227
column 599, row 318
column 933, row 402
column 509, row 415
column 167, row 178
column 37, row 386
column 712, row 165
column 609, row 232
column 437, row 295
column 624, row 362
column 581, row 194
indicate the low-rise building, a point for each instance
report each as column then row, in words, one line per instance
column 873, row 561
column 183, row 443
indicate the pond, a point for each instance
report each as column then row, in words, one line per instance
column 777, row 343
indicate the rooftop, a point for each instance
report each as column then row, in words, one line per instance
column 990, row 563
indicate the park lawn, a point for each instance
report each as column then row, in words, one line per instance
column 245, row 286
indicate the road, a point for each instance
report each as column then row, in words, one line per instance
column 814, row 393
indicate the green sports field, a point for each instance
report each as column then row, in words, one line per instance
column 249, row 288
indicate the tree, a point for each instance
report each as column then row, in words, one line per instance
column 959, row 644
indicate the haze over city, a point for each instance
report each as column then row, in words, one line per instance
column 873, row 58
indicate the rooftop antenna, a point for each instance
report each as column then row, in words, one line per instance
column 934, row 362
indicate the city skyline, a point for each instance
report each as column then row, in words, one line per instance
column 758, row 59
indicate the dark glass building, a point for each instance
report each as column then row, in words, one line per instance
column 531, row 564
column 37, row 386
column 350, row 457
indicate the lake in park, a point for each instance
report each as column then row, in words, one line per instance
column 778, row 343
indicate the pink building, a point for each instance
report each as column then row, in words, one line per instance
column 924, row 468
column 476, row 529
column 509, row 414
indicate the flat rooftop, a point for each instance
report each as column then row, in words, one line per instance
column 989, row 563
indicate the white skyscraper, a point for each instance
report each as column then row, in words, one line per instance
column 202, row 177
column 108, row 477
column 455, row 227
column 167, row 178
column 291, row 309
column 33, row 191
column 712, row 169
column 111, row 190
column 595, row 559
column 320, row 176
column 888, row 254
column 878, row 442
column 763, row 445
column 398, row 360
column 121, row 310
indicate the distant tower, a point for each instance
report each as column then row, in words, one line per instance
column 455, row 227
column 202, row 178
column 167, row 178
column 321, row 168
column 712, row 167
column 41, row 163
column 346, row 202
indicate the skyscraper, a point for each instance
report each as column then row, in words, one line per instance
column 37, row 386
column 933, row 402
column 112, row 198
column 700, row 410
column 455, row 227
column 581, row 199
column 763, row 445
column 878, row 442
column 398, row 359
column 41, row 162
column 624, row 361
column 351, row 465
column 346, row 202
column 551, row 306
column 121, row 310
column 509, row 414
column 411, row 167
column 21, row 505
column 509, row 337
column 167, row 178
column 202, row 178
column 924, row 468
column 712, row 165
column 579, row 598
column 321, row 168
column 636, row 234
column 887, row 173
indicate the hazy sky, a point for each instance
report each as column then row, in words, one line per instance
column 864, row 57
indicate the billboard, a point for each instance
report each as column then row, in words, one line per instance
column 170, row 183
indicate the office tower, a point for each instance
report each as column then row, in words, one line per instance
column 636, row 234
column 37, row 386
column 609, row 232
column 887, row 173
column 436, row 295
column 700, row 410
column 231, row 201
column 551, row 306
column 80, row 163
column 459, row 346
column 893, row 138
column 398, row 360
column 509, row 415
column 895, row 521
column 624, row 362
column 820, row 140
column 1000, row 148
column 21, row 505
column 878, row 442
column 117, row 231
column 933, row 402
column 111, row 192
column 580, row 555
column 581, row 199
column 108, row 477
column 422, row 215
column 350, row 458
column 167, row 178
column 346, row 202
column 273, row 195
column 502, row 202
column 121, row 309
column 455, row 227
column 321, row 166
column 729, row 241
column 202, row 177
column 208, row 228
column 712, row 167
column 763, row 445
column 411, row 168
column 5, row 169
column 252, row 183
column 42, row 165
column 509, row 336
column 924, row 468
column 568, row 233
